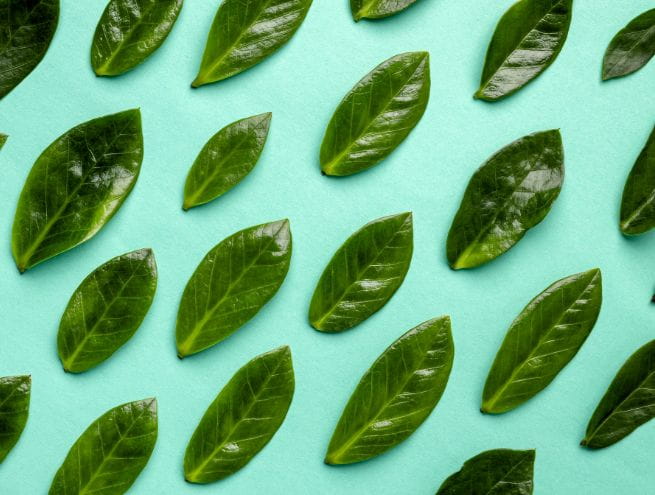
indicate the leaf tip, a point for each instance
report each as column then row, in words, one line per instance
column 653, row 299
column 584, row 442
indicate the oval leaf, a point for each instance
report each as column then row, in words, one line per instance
column 226, row 159
column 231, row 284
column 395, row 395
column 14, row 409
column 77, row 184
column 26, row 30
column 542, row 340
column 527, row 40
column 129, row 31
column 377, row 114
column 631, row 48
column 638, row 202
column 242, row 419
column 106, row 309
column 111, row 453
column 242, row 37
column 508, row 195
column 497, row 472
column 363, row 274
column 376, row 9
column 628, row 403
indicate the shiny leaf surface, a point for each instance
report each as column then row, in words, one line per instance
column 376, row 9
column 542, row 340
column 395, row 395
column 363, row 274
column 77, row 184
column 231, row 284
column 242, row 419
column 377, row 114
column 508, row 195
column 638, row 202
column 631, row 48
column 14, row 409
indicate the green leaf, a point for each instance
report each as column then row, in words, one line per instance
column 638, row 202
column 106, row 309
column 129, row 31
column 508, row 195
column 242, row 36
column 111, row 453
column 14, row 409
column 77, row 184
column 542, row 340
column 493, row 472
column 226, row 159
column 395, row 395
column 242, row 419
column 363, row 274
column 527, row 40
column 3, row 140
column 631, row 48
column 377, row 114
column 377, row 9
column 232, row 283
column 26, row 30
column 628, row 403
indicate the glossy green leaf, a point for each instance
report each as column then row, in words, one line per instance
column 508, row 195
column 129, row 31
column 26, row 30
column 542, row 340
column 106, row 309
column 14, row 409
column 395, row 395
column 242, row 419
column 631, row 48
column 527, row 40
column 244, row 35
column 77, row 184
column 226, row 159
column 638, row 202
column 377, row 114
column 363, row 274
column 377, row 9
column 231, row 284
column 3, row 140
column 111, row 453
column 628, row 403
column 493, row 472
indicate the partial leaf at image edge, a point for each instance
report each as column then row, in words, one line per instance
column 638, row 201
column 14, row 409
column 631, row 48
column 3, row 140
column 377, row 9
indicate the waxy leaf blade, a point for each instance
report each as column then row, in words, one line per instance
column 377, row 114
column 509, row 194
column 363, row 274
column 111, row 453
column 493, row 472
column 243, row 35
column 527, row 40
column 226, row 159
column 638, row 201
column 242, row 419
column 395, row 395
column 628, row 403
column 14, row 409
column 542, row 340
column 232, row 283
column 377, row 9
column 106, row 310
column 631, row 48
column 76, row 186
column 26, row 30
column 129, row 31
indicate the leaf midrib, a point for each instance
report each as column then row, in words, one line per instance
column 504, row 476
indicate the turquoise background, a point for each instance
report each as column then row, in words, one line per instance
column 604, row 126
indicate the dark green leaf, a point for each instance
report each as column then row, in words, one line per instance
column 242, row 419
column 363, row 274
column 226, row 159
column 395, row 395
column 129, row 31
column 26, row 30
column 377, row 114
column 376, row 9
column 542, row 340
column 231, row 284
column 244, row 35
column 111, row 453
column 638, row 202
column 106, row 309
column 631, row 48
column 3, row 140
column 628, row 403
column 508, row 195
column 77, row 184
column 14, row 409
column 494, row 472
column 527, row 40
